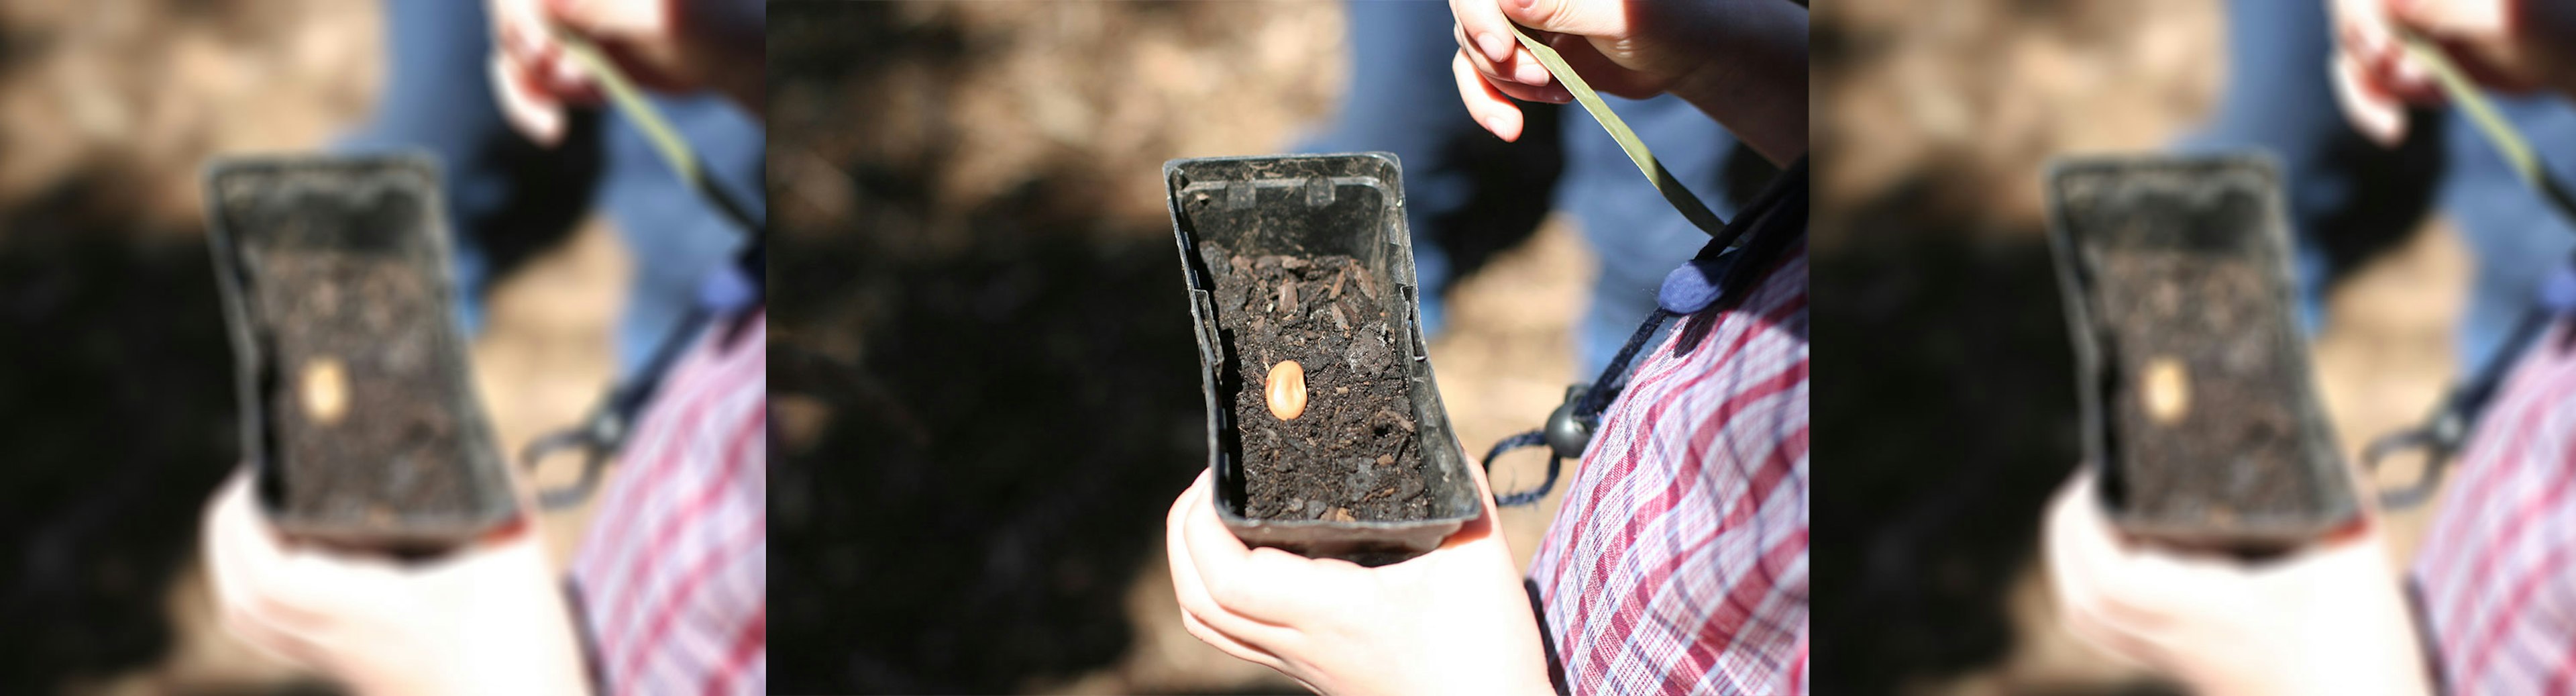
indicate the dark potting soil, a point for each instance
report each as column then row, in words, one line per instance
column 387, row 447
column 1353, row 454
column 2227, row 442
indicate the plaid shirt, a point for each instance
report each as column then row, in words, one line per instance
column 1678, row 562
column 2497, row 573
column 674, row 572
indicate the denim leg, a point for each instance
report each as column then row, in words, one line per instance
column 506, row 196
column 674, row 236
column 1403, row 100
column 1637, row 236
column 437, row 99
column 2515, row 237
column 2279, row 98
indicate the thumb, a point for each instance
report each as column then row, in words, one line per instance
column 1578, row 17
column 1484, row 488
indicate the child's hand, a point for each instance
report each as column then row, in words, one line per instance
column 1742, row 61
column 490, row 619
column 2507, row 45
column 1454, row 620
column 664, row 45
column 2329, row 620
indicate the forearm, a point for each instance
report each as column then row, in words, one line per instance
column 747, row 86
column 2555, row 22
column 511, row 639
column 736, row 32
column 1759, row 89
column 2358, row 640
column 1507, row 682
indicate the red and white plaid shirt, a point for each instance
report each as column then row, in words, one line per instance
column 2497, row 572
column 1678, row 563
column 674, row 571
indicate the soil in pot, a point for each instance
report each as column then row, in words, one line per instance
column 1351, row 452
column 359, row 416
column 2202, row 417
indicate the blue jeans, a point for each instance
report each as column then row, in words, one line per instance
column 1402, row 99
column 2515, row 238
column 2280, row 98
column 505, row 194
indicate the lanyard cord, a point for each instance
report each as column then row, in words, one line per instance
column 1570, row 428
column 1767, row 226
column 603, row 431
column 2441, row 433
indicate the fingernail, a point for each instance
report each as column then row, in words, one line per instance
column 1524, row 4
column 1496, row 47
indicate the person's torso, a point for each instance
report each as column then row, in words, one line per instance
column 2496, row 575
column 1678, row 561
column 673, row 572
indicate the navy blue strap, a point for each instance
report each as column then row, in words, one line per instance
column 1723, row 270
column 2442, row 433
column 1532, row 438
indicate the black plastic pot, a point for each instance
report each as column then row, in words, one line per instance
column 1353, row 205
column 382, row 214
column 2217, row 367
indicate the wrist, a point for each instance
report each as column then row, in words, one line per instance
column 1517, row 683
column 1526, row 676
column 2550, row 28
column 2357, row 640
column 730, row 37
column 513, row 640
column 1756, row 83
column 745, row 81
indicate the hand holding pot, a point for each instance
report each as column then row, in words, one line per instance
column 484, row 620
column 2329, row 619
column 2508, row 45
column 664, row 45
column 1744, row 62
column 1454, row 620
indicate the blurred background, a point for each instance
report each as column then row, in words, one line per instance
column 116, row 405
column 1949, row 393
column 972, row 246
column 982, row 371
column 986, row 394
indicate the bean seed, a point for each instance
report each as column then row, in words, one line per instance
column 1287, row 390
column 326, row 390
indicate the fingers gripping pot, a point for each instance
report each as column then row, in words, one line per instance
column 1325, row 428
column 358, row 408
column 2198, row 398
